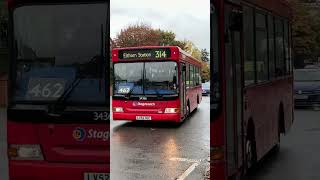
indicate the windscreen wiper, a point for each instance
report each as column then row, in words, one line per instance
column 128, row 95
column 160, row 96
column 52, row 109
column 66, row 94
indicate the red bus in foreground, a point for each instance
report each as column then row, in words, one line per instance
column 252, row 99
column 155, row 84
column 58, row 110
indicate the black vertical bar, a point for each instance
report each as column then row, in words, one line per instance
column 275, row 45
column 11, row 55
column 284, row 49
column 268, row 48
column 255, row 48
column 108, row 57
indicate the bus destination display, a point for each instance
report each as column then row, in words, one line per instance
column 162, row 53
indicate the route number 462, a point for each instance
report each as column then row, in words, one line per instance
column 124, row 90
column 47, row 90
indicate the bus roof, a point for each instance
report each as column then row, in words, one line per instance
column 278, row 7
column 183, row 55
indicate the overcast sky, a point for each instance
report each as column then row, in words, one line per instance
column 188, row 19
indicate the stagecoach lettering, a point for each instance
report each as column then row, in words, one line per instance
column 101, row 135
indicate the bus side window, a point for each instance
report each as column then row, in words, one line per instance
column 279, row 47
column 188, row 75
column 191, row 76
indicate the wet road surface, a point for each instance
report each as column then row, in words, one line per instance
column 299, row 155
column 161, row 151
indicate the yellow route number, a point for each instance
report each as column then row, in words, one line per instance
column 161, row 54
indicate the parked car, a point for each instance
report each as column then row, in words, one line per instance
column 206, row 89
column 307, row 87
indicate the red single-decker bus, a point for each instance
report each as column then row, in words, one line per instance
column 252, row 98
column 155, row 84
column 59, row 103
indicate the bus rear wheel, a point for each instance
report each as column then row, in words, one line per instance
column 251, row 155
column 281, row 117
column 188, row 110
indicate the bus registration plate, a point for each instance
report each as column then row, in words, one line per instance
column 143, row 118
column 96, row 176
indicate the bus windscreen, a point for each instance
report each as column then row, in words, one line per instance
column 59, row 48
column 146, row 78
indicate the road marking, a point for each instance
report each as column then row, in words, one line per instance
column 186, row 173
column 184, row 160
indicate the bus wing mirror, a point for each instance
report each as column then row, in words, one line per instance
column 184, row 68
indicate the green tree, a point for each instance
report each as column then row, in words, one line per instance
column 137, row 35
column 305, row 29
column 193, row 50
column 144, row 35
column 205, row 55
column 168, row 38
column 205, row 73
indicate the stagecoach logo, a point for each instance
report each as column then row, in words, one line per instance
column 79, row 134
column 143, row 104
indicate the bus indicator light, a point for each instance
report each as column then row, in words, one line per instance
column 117, row 109
column 171, row 110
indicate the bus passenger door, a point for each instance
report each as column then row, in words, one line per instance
column 233, row 65
column 183, row 89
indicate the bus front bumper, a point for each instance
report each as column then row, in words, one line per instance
column 34, row 170
column 154, row 117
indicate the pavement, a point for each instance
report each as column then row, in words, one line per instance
column 3, row 146
column 160, row 151
column 299, row 155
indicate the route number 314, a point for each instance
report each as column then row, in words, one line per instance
column 161, row 54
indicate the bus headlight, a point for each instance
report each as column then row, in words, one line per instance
column 25, row 152
column 117, row 109
column 172, row 110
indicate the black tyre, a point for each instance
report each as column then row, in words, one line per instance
column 251, row 151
